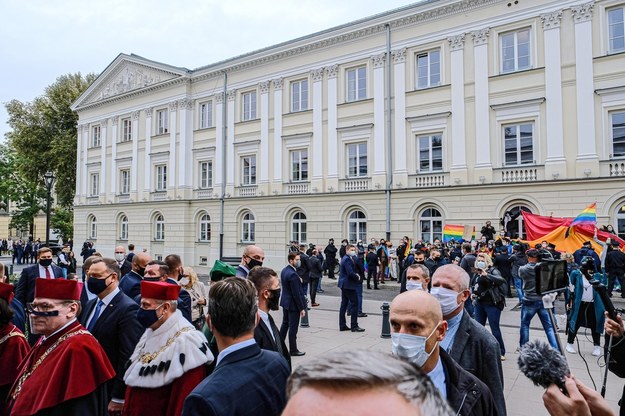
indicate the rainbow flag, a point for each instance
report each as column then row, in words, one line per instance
column 587, row 216
column 451, row 231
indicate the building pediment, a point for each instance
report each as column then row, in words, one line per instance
column 125, row 75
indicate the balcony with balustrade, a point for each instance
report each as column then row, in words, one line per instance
column 355, row 184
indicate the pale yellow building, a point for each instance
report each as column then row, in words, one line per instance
column 494, row 105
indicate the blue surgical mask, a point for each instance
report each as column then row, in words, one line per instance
column 447, row 298
column 414, row 285
column 411, row 347
column 480, row 265
column 148, row 317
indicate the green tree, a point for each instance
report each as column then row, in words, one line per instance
column 62, row 222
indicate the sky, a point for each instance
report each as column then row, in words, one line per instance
column 42, row 39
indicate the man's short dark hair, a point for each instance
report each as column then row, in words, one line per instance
column 163, row 269
column 261, row 276
column 111, row 265
column 292, row 255
column 232, row 306
column 467, row 247
column 173, row 261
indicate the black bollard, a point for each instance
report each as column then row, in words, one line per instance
column 386, row 324
column 304, row 322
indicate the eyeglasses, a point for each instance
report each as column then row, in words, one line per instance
column 41, row 309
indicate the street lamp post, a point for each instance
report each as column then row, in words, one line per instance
column 48, row 178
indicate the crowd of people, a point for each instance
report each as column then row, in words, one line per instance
column 145, row 336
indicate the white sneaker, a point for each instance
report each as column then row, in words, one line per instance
column 570, row 349
column 596, row 351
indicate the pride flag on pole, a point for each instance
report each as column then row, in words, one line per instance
column 452, row 232
column 587, row 216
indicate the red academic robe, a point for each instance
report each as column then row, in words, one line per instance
column 69, row 381
column 13, row 349
column 163, row 401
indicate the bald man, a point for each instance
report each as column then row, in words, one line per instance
column 252, row 256
column 131, row 282
column 417, row 329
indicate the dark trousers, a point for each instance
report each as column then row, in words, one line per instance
column 612, row 277
column 290, row 324
column 348, row 296
column 372, row 273
column 314, row 284
column 586, row 318
column 331, row 269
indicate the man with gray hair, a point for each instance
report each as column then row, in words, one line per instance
column 417, row 276
column 340, row 383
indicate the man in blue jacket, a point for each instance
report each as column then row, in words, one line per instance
column 349, row 280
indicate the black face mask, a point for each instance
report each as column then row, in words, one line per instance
column 45, row 262
column 419, row 262
column 180, row 276
column 152, row 279
column 253, row 263
column 140, row 271
column 148, row 317
column 97, row 286
column 274, row 300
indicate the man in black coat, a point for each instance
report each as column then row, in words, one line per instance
column 330, row 252
column 111, row 318
column 247, row 379
column 303, row 271
column 25, row 290
column 292, row 301
column 267, row 334
column 615, row 268
column 122, row 261
column 130, row 283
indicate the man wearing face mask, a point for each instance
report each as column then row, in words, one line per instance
column 157, row 270
column 252, row 256
column 467, row 342
column 130, row 284
column 292, row 301
column 25, row 289
column 349, row 280
column 169, row 360
column 417, row 328
column 417, row 278
column 111, row 318
column 266, row 333
column 120, row 257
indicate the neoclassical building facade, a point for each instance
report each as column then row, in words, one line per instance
column 448, row 111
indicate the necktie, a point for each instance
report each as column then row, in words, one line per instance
column 47, row 273
column 96, row 314
column 276, row 335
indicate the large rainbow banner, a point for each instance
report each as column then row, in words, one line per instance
column 452, row 232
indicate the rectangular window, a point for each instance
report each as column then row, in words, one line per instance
column 299, row 166
column 162, row 122
column 206, row 115
column 95, row 136
column 126, row 130
column 248, row 170
column 249, row 106
column 430, row 153
column 616, row 30
column 206, row 174
column 515, row 51
column 519, row 144
column 357, row 84
column 357, row 160
column 429, row 69
column 94, row 188
column 124, row 181
column 299, row 95
column 161, row 178
column 618, row 134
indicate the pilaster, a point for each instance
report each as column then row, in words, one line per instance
column 114, row 135
column 458, row 170
column 103, row 171
column 379, row 148
column 171, row 168
column 219, row 143
column 147, row 167
column 400, row 172
column 277, row 134
column 332, row 149
column 263, row 158
column 316, row 147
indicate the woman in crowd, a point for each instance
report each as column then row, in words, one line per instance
column 199, row 296
column 489, row 290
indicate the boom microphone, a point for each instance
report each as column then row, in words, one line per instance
column 543, row 364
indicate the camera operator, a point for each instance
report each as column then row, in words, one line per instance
column 616, row 365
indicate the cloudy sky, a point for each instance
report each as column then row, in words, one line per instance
column 44, row 39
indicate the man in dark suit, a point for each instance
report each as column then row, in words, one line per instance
column 120, row 257
column 292, row 301
column 111, row 318
column 252, row 256
column 303, row 271
column 130, row 284
column 349, row 280
column 267, row 334
column 25, row 290
column 157, row 270
column 242, row 366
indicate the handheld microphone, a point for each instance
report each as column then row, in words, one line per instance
column 543, row 364
column 605, row 298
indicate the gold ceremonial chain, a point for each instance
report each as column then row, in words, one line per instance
column 27, row 374
column 11, row 334
column 149, row 356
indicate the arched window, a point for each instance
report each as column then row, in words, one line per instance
column 620, row 221
column 513, row 224
column 248, row 228
column 204, row 228
column 431, row 225
column 92, row 224
column 357, row 227
column 123, row 227
column 159, row 227
column 298, row 227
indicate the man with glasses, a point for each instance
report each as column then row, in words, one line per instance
column 111, row 318
column 252, row 256
column 159, row 271
column 67, row 370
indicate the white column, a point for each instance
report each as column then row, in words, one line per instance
column 147, row 172
column 86, row 136
column 277, row 130
column 586, row 148
column 317, row 139
column 333, row 150
column 185, row 108
column 114, row 155
column 219, row 149
column 80, row 176
column 458, row 143
column 399, row 80
column 379, row 151
column 230, row 127
column 263, row 159
column 103, row 130
column 171, row 169
column 482, row 117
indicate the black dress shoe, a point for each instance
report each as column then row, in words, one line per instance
column 362, row 315
column 345, row 328
column 358, row 329
column 297, row 353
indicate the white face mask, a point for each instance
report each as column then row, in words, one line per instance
column 480, row 265
column 352, row 253
column 184, row 281
column 448, row 299
column 120, row 257
column 411, row 347
column 414, row 285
